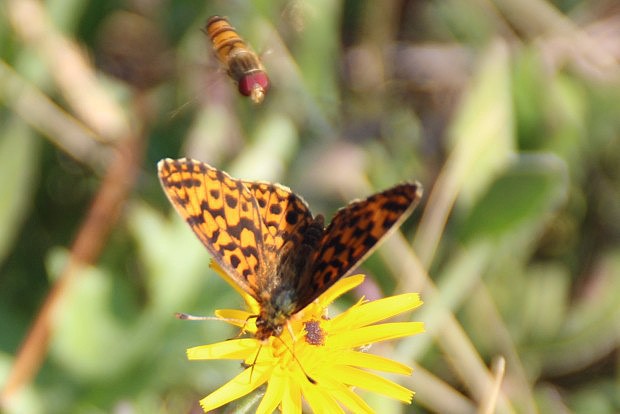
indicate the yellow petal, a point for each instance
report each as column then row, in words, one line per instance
column 320, row 399
column 233, row 314
column 345, row 396
column 243, row 319
column 376, row 311
column 340, row 288
column 371, row 382
column 237, row 387
column 291, row 400
column 233, row 349
column 273, row 395
column 371, row 361
column 375, row 333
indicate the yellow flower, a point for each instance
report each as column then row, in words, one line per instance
column 317, row 358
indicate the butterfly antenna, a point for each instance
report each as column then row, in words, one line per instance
column 245, row 323
column 254, row 362
column 188, row 317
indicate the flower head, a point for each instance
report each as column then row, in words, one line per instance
column 317, row 358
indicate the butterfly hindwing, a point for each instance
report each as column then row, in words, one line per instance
column 222, row 212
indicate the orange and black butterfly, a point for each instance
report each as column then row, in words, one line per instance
column 265, row 238
column 242, row 64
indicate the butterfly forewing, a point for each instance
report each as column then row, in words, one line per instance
column 354, row 232
column 222, row 213
column 283, row 214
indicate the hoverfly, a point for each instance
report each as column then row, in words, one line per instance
column 242, row 64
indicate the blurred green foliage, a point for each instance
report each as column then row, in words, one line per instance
column 506, row 111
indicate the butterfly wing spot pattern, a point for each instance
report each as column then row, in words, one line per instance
column 265, row 238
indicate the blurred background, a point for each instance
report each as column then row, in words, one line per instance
column 505, row 110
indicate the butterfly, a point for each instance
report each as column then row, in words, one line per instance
column 242, row 64
column 265, row 238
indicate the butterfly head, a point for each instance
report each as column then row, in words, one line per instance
column 274, row 314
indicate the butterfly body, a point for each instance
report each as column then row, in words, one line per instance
column 265, row 238
column 280, row 295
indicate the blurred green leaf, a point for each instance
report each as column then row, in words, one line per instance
column 545, row 302
column 526, row 192
column 88, row 339
column 529, row 96
column 591, row 328
column 19, row 156
column 599, row 397
column 482, row 133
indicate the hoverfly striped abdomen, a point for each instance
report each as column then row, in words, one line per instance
column 243, row 65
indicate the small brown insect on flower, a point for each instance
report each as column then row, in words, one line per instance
column 314, row 333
